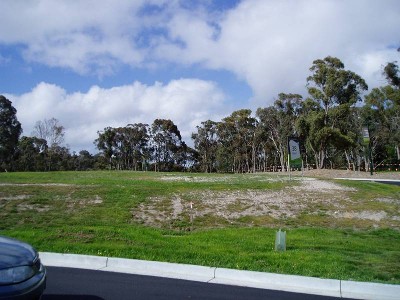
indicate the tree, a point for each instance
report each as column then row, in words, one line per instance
column 237, row 136
column 59, row 159
column 278, row 122
column 105, row 143
column 333, row 91
column 32, row 154
column 137, row 136
column 126, row 148
column 206, row 143
column 391, row 73
column 167, row 145
column 10, row 130
column 50, row 130
column 84, row 161
column 382, row 116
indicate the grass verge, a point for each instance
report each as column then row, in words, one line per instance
column 91, row 213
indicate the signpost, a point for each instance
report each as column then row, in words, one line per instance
column 294, row 155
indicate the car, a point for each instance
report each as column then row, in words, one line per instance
column 22, row 275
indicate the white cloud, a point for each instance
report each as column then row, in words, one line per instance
column 187, row 102
column 269, row 44
column 272, row 44
column 85, row 36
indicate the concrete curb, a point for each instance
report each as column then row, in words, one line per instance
column 160, row 269
column 73, row 261
column 288, row 283
column 370, row 290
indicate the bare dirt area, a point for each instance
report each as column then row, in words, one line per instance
column 310, row 201
column 327, row 173
column 37, row 184
column 27, row 202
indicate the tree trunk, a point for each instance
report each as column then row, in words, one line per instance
column 348, row 160
column 320, row 159
column 253, row 157
column 282, row 160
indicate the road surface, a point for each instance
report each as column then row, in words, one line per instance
column 79, row 284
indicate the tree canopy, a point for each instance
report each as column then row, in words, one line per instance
column 329, row 122
column 10, row 130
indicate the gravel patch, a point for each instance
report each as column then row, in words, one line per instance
column 13, row 198
column 313, row 197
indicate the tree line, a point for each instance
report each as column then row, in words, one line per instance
column 331, row 123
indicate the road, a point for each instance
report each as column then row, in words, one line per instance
column 385, row 181
column 79, row 284
column 392, row 182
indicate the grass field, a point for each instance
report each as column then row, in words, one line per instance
column 335, row 229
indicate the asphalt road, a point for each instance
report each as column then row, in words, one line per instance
column 79, row 284
column 394, row 182
column 385, row 181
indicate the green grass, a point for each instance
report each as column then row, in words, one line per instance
column 68, row 217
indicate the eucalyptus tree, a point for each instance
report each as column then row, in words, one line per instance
column 32, row 154
column 84, row 161
column 333, row 92
column 59, row 158
column 237, row 137
column 10, row 130
column 121, row 148
column 138, row 136
column 206, row 144
column 126, row 148
column 355, row 153
column 392, row 74
column 51, row 130
column 105, row 143
column 225, row 154
column 279, row 122
column 167, row 146
column 393, row 93
column 382, row 116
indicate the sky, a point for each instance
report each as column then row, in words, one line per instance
column 93, row 64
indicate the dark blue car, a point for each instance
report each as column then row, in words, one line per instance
column 22, row 276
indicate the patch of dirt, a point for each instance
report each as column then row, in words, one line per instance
column 36, row 207
column 96, row 200
column 327, row 173
column 36, row 184
column 312, row 184
column 17, row 197
column 376, row 216
column 311, row 197
column 74, row 204
column 259, row 177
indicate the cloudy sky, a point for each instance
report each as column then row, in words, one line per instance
column 97, row 63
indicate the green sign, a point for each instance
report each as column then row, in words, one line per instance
column 366, row 135
column 294, row 152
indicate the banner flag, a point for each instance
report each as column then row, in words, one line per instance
column 294, row 152
column 366, row 135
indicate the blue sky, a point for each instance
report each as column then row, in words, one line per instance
column 93, row 64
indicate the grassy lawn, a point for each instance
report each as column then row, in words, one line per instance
column 342, row 230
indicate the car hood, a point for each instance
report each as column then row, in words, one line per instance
column 15, row 253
